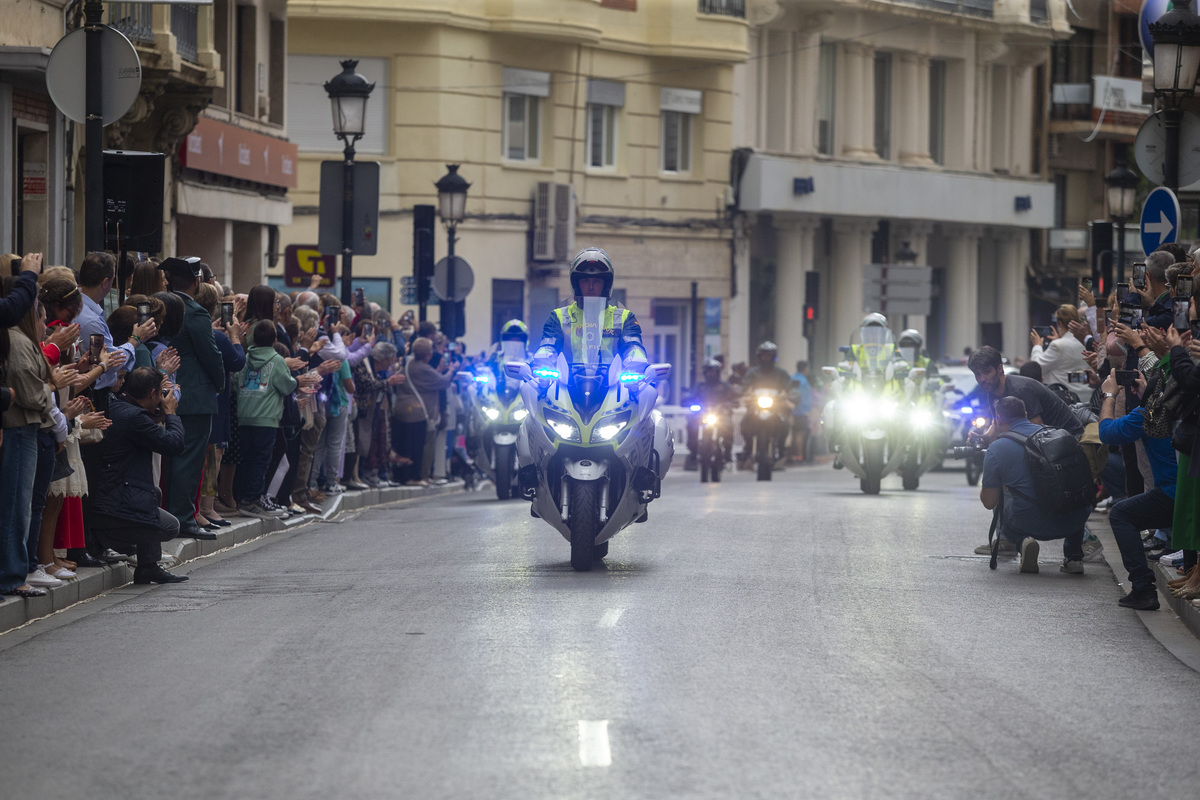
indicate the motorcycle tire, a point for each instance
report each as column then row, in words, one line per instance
column 704, row 476
column 505, row 455
column 715, row 469
column 974, row 471
column 763, row 450
column 600, row 551
column 584, row 523
column 873, row 467
column 911, row 476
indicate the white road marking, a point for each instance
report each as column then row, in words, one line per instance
column 610, row 618
column 593, row 743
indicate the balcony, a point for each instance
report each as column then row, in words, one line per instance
column 971, row 8
column 184, row 24
column 135, row 20
column 1115, row 104
column 725, row 8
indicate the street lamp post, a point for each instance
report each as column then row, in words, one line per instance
column 1176, row 37
column 1122, row 184
column 452, row 207
column 348, row 93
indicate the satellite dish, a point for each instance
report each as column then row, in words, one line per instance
column 120, row 75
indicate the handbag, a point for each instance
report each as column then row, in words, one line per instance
column 62, row 466
column 1163, row 407
column 430, row 425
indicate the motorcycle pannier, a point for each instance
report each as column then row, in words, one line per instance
column 1060, row 469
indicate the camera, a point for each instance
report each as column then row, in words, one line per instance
column 1139, row 276
column 967, row 451
column 1126, row 377
column 1077, row 377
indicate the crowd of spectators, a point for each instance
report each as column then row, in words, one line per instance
column 127, row 423
column 1120, row 374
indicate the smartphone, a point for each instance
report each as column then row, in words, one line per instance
column 1196, row 329
column 1077, row 377
column 96, row 344
column 358, row 298
column 1122, row 292
column 143, row 312
column 15, row 266
column 332, row 315
column 1139, row 276
column 1087, row 284
column 227, row 314
column 1042, row 330
column 1180, row 307
column 1183, row 286
column 1126, row 377
column 1135, row 318
column 1106, row 324
column 368, row 330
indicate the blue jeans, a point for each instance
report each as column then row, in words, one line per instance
column 1146, row 511
column 41, row 485
column 1072, row 542
column 18, row 463
column 256, row 444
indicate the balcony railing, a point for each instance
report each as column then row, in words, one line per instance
column 135, row 20
column 974, row 8
column 726, row 8
column 184, row 26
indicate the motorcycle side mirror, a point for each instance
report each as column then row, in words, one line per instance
column 657, row 373
column 917, row 373
column 518, row 370
column 844, row 348
column 830, row 371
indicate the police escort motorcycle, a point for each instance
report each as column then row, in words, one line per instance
column 866, row 421
column 594, row 449
column 714, row 430
column 499, row 409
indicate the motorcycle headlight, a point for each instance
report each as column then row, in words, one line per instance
column 563, row 427
column 766, row 402
column 491, row 413
column 887, row 410
column 520, row 414
column 921, row 418
column 606, row 432
column 857, row 408
column 710, row 419
column 979, row 422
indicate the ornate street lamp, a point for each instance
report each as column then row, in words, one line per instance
column 452, row 207
column 1122, row 186
column 348, row 93
column 1176, row 37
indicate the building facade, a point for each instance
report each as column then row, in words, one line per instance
column 875, row 127
column 578, row 122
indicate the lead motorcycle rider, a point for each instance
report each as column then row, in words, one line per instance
column 767, row 375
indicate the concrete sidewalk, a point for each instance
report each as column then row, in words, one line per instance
column 91, row 583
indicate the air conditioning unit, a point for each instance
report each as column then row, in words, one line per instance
column 553, row 222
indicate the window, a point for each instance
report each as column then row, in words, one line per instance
column 521, row 127
column 883, row 105
column 937, row 111
column 676, row 141
column 826, row 87
column 602, row 134
column 309, row 121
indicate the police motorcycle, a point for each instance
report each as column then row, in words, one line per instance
column 967, row 415
column 710, row 428
column 499, row 410
column 867, row 417
column 768, row 413
column 927, row 429
column 594, row 449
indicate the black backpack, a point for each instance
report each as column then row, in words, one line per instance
column 1061, row 471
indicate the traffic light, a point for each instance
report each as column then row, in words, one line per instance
column 424, row 219
column 1100, row 255
column 812, row 300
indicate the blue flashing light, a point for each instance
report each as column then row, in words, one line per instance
column 630, row 377
column 965, row 409
column 695, row 407
column 546, row 372
column 481, row 378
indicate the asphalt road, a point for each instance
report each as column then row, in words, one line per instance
column 783, row 639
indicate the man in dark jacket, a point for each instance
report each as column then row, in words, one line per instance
column 201, row 375
column 126, row 500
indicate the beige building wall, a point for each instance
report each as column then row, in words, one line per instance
column 443, row 97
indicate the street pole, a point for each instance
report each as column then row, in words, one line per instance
column 347, row 223
column 93, row 205
column 1173, row 118
column 1120, row 232
column 449, row 307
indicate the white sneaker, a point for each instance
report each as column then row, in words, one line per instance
column 1172, row 560
column 62, row 573
column 255, row 510
column 39, row 578
column 1092, row 548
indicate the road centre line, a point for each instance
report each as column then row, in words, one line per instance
column 610, row 618
column 593, row 743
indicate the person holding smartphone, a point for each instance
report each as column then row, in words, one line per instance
column 1156, row 296
column 1062, row 352
column 18, row 301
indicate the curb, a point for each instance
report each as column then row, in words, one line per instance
column 1188, row 612
column 93, row 582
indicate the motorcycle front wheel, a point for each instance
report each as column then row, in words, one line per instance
column 764, row 449
column 910, row 474
column 872, row 467
column 505, row 455
column 584, row 523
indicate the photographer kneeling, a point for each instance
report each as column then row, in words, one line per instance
column 1150, row 510
column 1008, row 477
column 126, row 505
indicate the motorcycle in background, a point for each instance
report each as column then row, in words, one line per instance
column 928, row 434
column 714, row 427
column 499, row 411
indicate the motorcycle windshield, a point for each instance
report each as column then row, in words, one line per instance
column 875, row 349
column 593, row 329
column 512, row 351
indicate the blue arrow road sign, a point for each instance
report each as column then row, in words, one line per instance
column 1160, row 219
